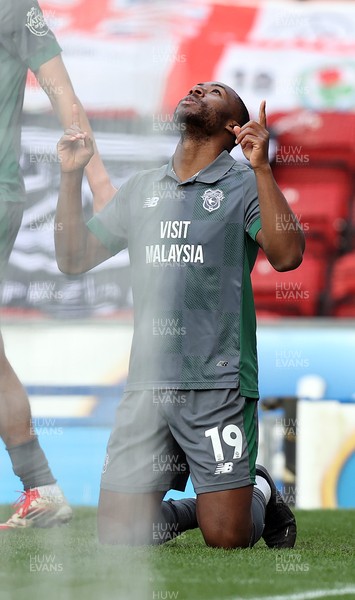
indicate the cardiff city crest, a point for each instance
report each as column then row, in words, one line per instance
column 212, row 199
column 36, row 23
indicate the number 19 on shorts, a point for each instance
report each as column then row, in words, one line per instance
column 231, row 435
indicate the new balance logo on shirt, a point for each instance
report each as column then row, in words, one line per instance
column 151, row 202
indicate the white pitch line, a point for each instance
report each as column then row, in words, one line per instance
column 346, row 591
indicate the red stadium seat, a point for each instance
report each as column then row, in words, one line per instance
column 351, row 228
column 293, row 293
column 320, row 198
column 342, row 286
column 309, row 136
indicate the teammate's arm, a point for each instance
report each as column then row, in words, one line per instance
column 55, row 81
column 77, row 249
column 284, row 248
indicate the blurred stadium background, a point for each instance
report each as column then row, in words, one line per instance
column 69, row 338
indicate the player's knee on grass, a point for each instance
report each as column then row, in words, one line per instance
column 127, row 519
column 123, row 534
column 225, row 518
column 225, row 535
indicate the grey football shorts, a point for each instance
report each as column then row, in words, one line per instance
column 162, row 435
column 10, row 221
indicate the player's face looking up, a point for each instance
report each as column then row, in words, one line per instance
column 209, row 108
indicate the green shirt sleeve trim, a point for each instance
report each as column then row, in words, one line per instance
column 46, row 54
column 254, row 228
column 99, row 231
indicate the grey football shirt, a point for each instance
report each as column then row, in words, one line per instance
column 192, row 247
column 26, row 42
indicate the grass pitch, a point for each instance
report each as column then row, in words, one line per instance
column 68, row 563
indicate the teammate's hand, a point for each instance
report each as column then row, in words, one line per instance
column 75, row 147
column 253, row 138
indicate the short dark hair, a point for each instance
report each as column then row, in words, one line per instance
column 243, row 112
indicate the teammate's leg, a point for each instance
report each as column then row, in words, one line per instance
column 27, row 458
column 42, row 503
column 15, row 413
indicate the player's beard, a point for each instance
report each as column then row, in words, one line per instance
column 198, row 124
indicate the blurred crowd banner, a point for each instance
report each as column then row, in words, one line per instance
column 140, row 57
column 130, row 62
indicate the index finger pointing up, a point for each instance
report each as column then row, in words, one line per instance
column 75, row 116
column 262, row 114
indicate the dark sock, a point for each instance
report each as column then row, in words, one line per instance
column 30, row 464
column 258, row 508
column 178, row 516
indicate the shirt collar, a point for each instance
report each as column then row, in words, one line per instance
column 215, row 170
column 210, row 174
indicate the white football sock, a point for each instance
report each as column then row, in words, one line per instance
column 263, row 486
column 51, row 489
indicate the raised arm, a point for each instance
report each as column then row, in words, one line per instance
column 284, row 246
column 55, row 81
column 77, row 249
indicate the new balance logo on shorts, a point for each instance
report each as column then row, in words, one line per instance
column 151, row 202
column 222, row 363
column 224, row 468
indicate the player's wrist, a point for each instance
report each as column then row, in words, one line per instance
column 263, row 168
column 72, row 174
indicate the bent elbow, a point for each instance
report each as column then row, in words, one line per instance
column 68, row 267
column 289, row 263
